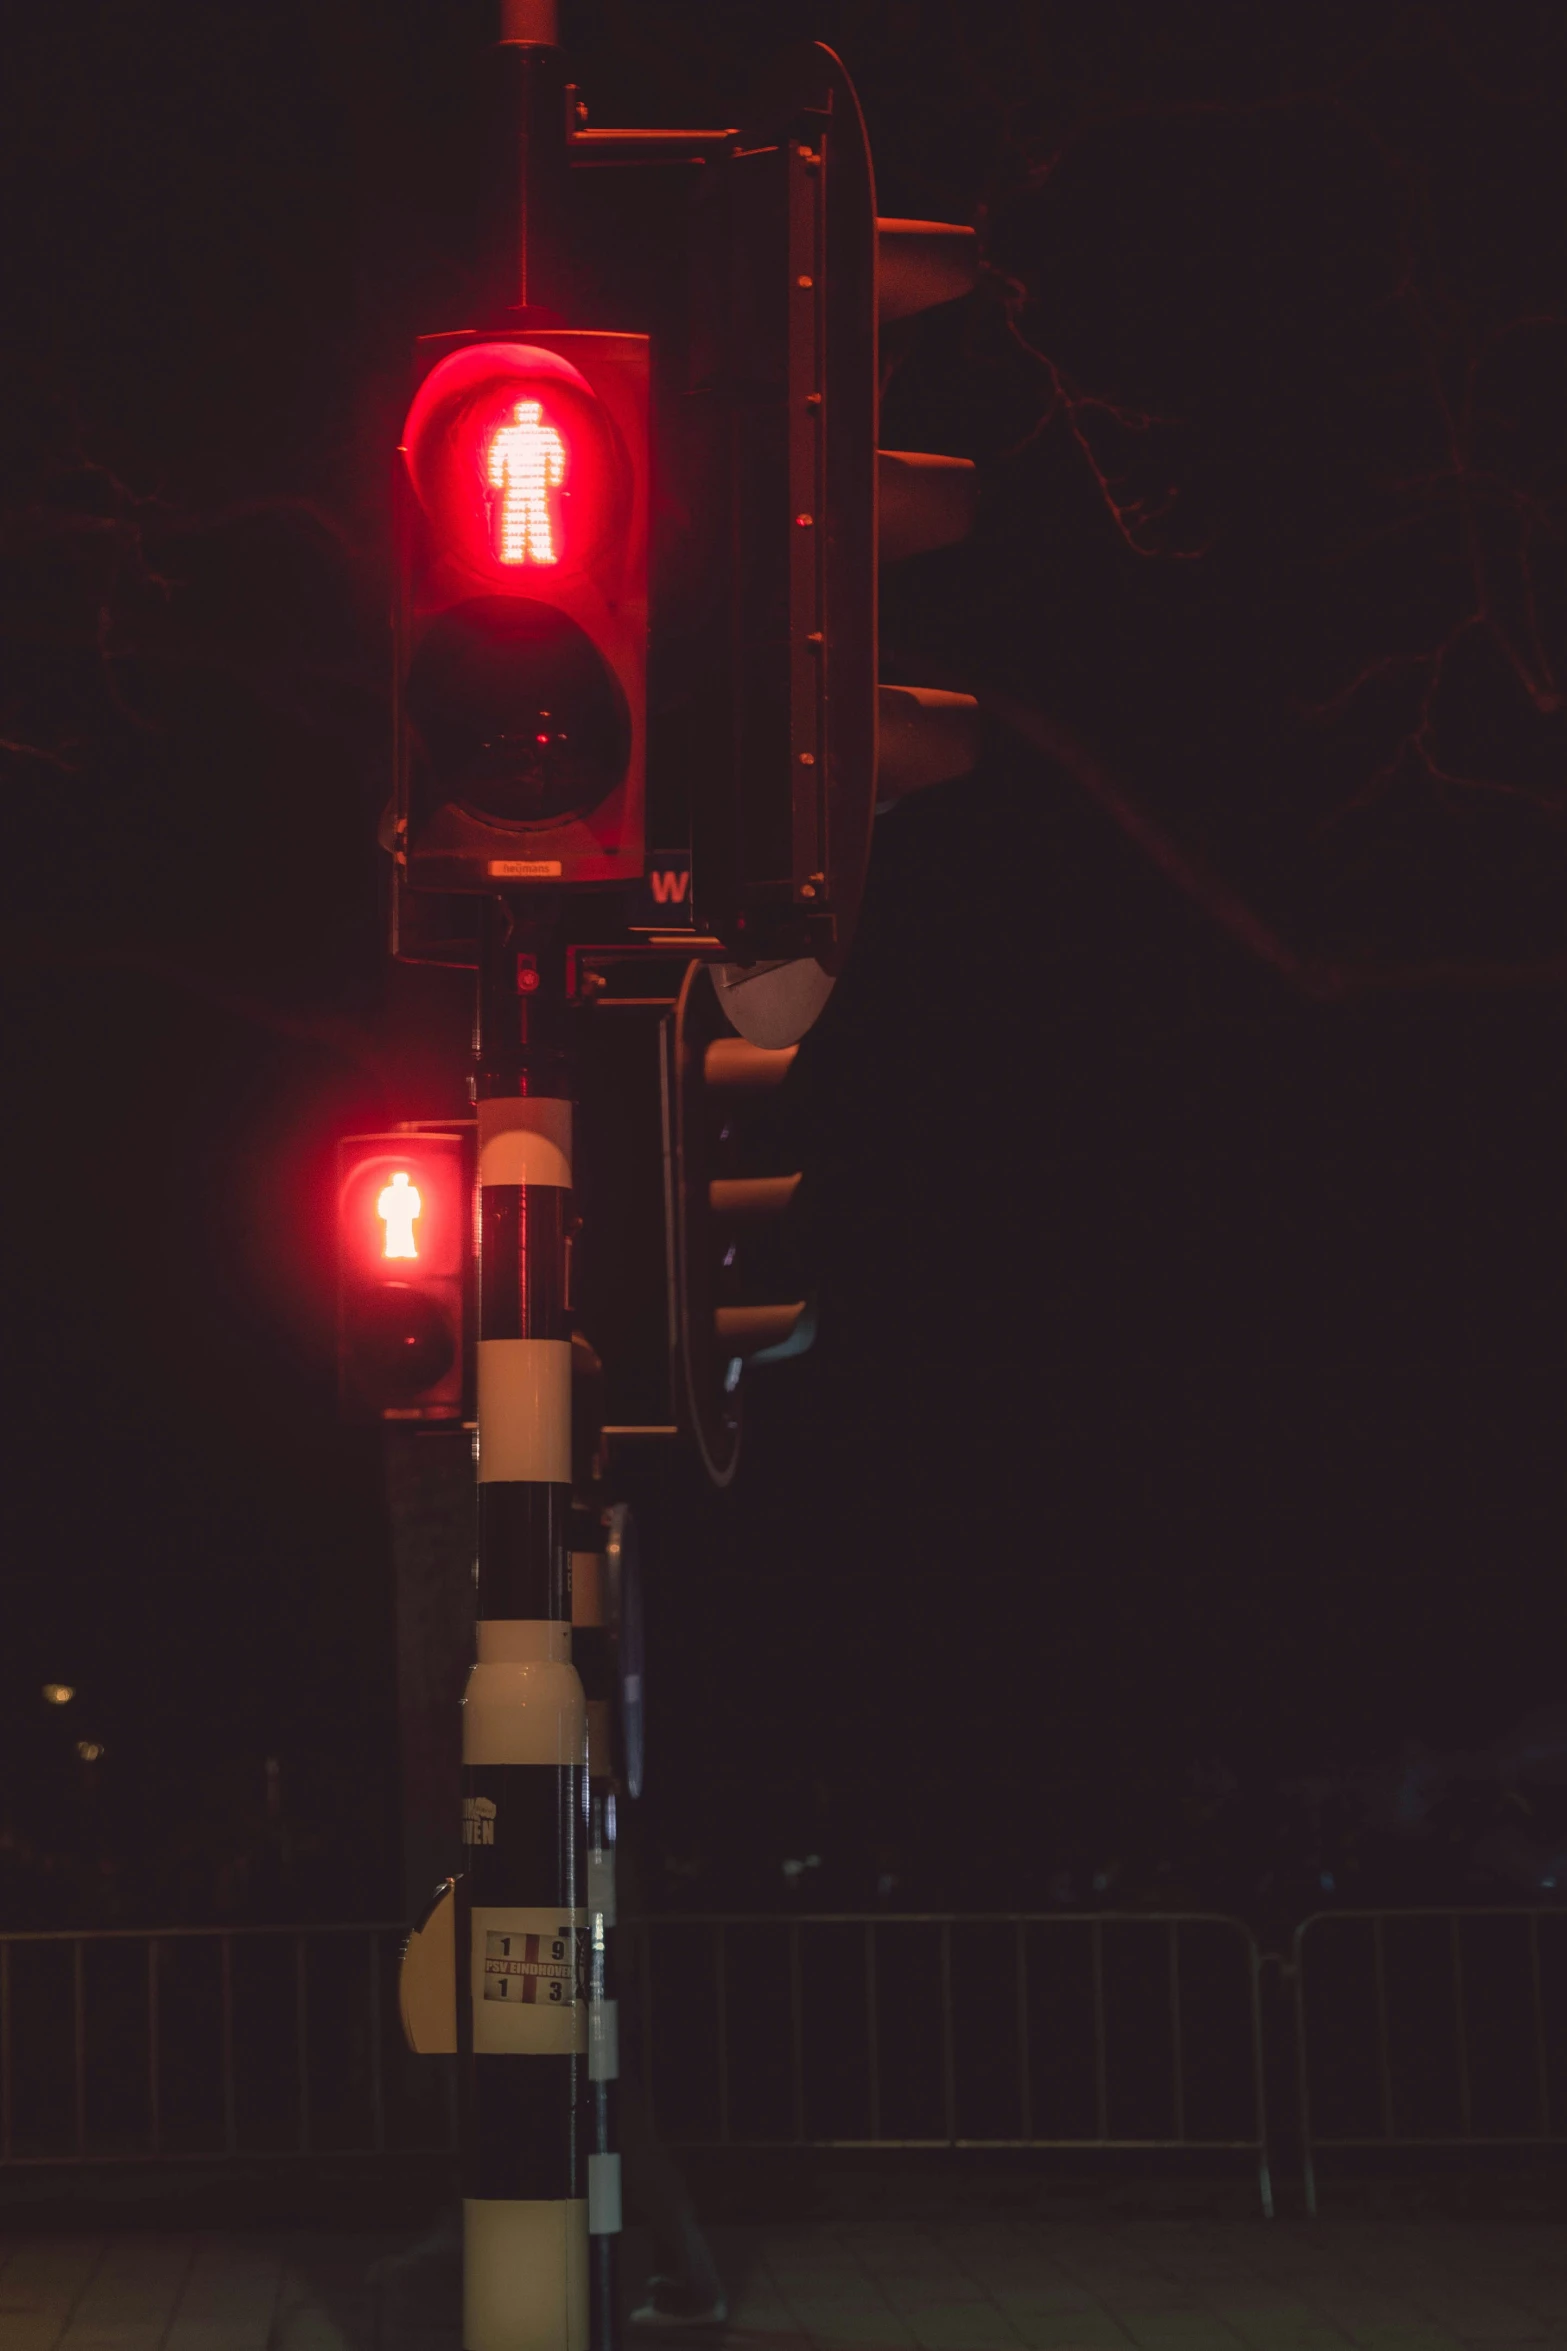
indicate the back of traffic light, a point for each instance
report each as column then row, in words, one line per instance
column 800, row 742
column 721, row 1216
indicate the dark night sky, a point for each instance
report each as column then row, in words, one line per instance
column 1187, row 1135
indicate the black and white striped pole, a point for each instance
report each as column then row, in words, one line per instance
column 522, row 1921
column 593, row 1647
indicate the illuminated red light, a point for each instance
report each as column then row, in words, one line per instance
column 516, row 464
column 405, row 1241
column 524, row 462
column 402, row 1208
column 399, row 1207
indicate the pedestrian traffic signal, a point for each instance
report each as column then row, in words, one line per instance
column 797, row 744
column 522, row 508
column 405, row 1253
column 719, row 1209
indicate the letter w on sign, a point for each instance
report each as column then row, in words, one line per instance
column 664, row 896
column 537, row 1969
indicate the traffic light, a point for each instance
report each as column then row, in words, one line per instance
column 405, row 1256
column 798, row 742
column 521, row 628
column 722, row 1218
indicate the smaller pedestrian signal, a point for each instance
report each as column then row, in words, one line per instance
column 525, row 462
column 404, row 1253
column 398, row 1208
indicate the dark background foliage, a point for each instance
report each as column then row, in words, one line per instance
column 1186, row 1137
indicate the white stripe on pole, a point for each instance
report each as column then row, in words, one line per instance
column 525, row 1139
column 524, row 1412
column 603, row 2195
column 529, row 1712
column 543, row 2248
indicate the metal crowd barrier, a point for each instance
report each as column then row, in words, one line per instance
column 1430, row 2028
column 1116, row 2030
column 129, row 2045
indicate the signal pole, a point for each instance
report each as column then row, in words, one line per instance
column 529, row 220
column 522, row 1938
column 522, row 1922
column 522, row 504
column 593, row 1646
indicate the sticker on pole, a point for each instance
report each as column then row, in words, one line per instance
column 534, row 1969
column 529, row 1981
column 478, row 1820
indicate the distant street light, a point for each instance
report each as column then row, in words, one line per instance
column 89, row 1750
column 58, row 1693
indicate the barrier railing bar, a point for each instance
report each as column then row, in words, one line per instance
column 1384, row 2058
column 1065, row 2146
column 796, row 2030
column 1426, row 2139
column 377, row 2078
column 1025, row 2062
column 1259, row 2078
column 721, row 2013
column 286, row 2155
column 1460, row 2026
column 872, row 2028
column 1542, row 2057
column 1178, row 2071
column 230, row 2129
column 210, row 1934
column 1365, row 1911
column 282, row 2155
column 1101, row 2080
column 79, row 2040
column 302, row 2043
column 154, row 2066
column 5, row 2052
column 949, row 2087
column 1302, row 2065
column 915, row 1918
column 645, row 1972
column 399, row 1926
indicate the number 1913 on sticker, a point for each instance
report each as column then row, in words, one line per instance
column 540, row 1970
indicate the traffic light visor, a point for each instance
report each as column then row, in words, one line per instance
column 516, row 466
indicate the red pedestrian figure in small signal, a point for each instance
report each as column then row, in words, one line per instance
column 527, row 460
column 398, row 1208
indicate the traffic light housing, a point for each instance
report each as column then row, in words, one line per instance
column 799, row 743
column 405, row 1259
column 521, row 489
column 717, row 1210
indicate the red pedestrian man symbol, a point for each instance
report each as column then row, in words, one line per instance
column 527, row 460
column 398, row 1209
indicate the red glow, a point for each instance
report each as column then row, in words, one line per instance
column 525, row 461
column 516, row 464
column 398, row 1208
column 401, row 1208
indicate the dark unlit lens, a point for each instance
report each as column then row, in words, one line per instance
column 520, row 715
column 402, row 1340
